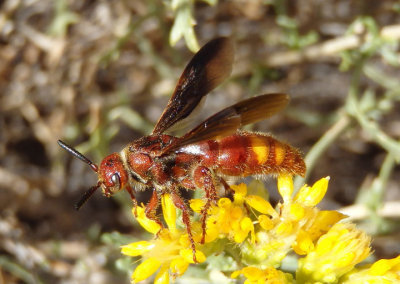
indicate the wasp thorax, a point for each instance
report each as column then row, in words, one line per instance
column 112, row 174
column 140, row 163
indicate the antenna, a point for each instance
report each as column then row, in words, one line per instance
column 93, row 166
column 86, row 196
column 80, row 156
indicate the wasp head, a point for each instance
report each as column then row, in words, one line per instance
column 112, row 174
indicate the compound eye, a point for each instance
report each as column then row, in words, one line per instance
column 116, row 181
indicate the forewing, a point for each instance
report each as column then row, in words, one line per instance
column 228, row 120
column 209, row 67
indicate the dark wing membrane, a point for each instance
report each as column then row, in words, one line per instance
column 228, row 120
column 209, row 67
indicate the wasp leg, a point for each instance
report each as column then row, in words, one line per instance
column 203, row 178
column 134, row 201
column 179, row 203
column 228, row 190
column 151, row 208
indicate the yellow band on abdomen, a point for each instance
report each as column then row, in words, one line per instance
column 260, row 148
column 280, row 153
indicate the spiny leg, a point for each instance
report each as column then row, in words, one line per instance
column 179, row 203
column 133, row 198
column 151, row 208
column 204, row 179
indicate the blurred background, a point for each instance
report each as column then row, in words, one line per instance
column 97, row 74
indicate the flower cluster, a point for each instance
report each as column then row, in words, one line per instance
column 257, row 237
column 168, row 252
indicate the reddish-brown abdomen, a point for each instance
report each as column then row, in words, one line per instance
column 246, row 153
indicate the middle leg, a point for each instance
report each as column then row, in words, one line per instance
column 179, row 203
column 203, row 178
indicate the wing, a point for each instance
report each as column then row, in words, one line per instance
column 209, row 67
column 228, row 120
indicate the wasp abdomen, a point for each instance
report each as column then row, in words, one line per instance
column 246, row 153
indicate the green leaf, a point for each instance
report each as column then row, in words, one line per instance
column 183, row 25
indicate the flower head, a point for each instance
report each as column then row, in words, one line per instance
column 247, row 230
column 382, row 271
column 230, row 219
column 268, row 275
column 336, row 253
column 169, row 252
column 297, row 226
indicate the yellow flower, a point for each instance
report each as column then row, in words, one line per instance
column 169, row 252
column 228, row 219
column 247, row 230
column 384, row 271
column 336, row 253
column 308, row 222
column 268, row 276
column 231, row 219
column 297, row 226
column 149, row 225
column 311, row 196
column 285, row 187
column 254, row 201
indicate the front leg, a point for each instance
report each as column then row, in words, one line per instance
column 203, row 178
column 133, row 198
column 151, row 208
column 179, row 203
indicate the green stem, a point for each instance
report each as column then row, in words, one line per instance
column 320, row 147
column 26, row 275
column 374, row 195
column 336, row 130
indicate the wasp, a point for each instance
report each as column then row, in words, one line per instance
column 206, row 156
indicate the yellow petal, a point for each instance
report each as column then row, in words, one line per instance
column 187, row 254
column 149, row 225
column 236, row 273
column 284, row 228
column 240, row 236
column 311, row 196
column 303, row 244
column 240, row 189
column 246, row 224
column 212, row 232
column 138, row 248
column 179, row 265
column 169, row 211
column 197, row 205
column 323, row 222
column 260, row 204
column 265, row 222
column 296, row 211
column 184, row 240
column 335, row 254
column 162, row 276
column 285, row 186
column 145, row 269
column 224, row 203
column 252, row 273
column 381, row 267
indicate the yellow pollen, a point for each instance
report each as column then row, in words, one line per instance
column 260, row 149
